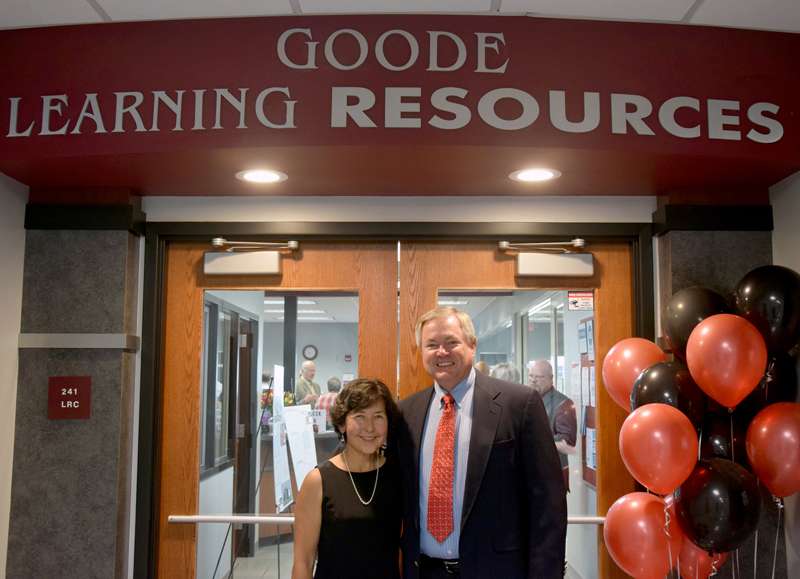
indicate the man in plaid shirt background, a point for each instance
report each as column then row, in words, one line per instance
column 325, row 401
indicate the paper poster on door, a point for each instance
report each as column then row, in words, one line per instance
column 575, row 381
column 591, row 448
column 586, row 396
column 582, row 345
column 577, row 301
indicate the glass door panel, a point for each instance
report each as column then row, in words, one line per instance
column 537, row 338
column 433, row 272
column 309, row 339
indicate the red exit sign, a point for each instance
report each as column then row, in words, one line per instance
column 69, row 397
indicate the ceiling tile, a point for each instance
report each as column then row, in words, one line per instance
column 646, row 10
column 28, row 13
column 174, row 9
column 764, row 14
column 394, row 6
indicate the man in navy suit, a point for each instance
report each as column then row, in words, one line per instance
column 484, row 495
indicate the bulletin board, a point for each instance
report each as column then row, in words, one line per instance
column 588, row 400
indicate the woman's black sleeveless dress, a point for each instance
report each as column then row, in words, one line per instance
column 358, row 541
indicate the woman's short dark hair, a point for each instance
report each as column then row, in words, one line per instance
column 359, row 394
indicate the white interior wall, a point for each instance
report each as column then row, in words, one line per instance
column 785, row 200
column 332, row 340
column 13, row 196
column 216, row 494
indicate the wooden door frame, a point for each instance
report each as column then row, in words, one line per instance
column 158, row 235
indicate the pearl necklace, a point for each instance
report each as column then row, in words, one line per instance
column 353, row 482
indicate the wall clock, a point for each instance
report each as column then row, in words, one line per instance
column 310, row 352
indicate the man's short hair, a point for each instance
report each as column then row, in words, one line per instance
column 446, row 312
column 334, row 384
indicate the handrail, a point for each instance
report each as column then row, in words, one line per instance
column 277, row 519
column 247, row 519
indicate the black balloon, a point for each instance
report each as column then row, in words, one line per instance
column 715, row 438
column 718, row 505
column 685, row 310
column 670, row 383
column 769, row 297
column 779, row 384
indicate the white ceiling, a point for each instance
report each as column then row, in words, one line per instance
column 339, row 310
column 782, row 15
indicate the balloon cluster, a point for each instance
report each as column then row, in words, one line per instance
column 706, row 427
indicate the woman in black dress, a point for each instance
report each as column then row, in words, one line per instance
column 348, row 510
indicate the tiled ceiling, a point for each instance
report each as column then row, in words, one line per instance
column 782, row 15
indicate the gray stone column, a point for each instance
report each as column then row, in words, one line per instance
column 71, row 481
column 718, row 260
column 713, row 259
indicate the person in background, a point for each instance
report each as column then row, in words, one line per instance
column 505, row 371
column 482, row 484
column 560, row 413
column 482, row 367
column 348, row 513
column 306, row 390
column 325, row 401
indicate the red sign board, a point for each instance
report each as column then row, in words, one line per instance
column 165, row 108
column 69, row 397
column 391, row 80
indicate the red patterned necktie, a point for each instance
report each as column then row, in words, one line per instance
column 440, row 492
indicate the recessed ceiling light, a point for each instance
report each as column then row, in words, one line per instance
column 261, row 176
column 534, row 174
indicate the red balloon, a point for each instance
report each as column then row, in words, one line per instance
column 695, row 563
column 635, row 538
column 773, row 447
column 658, row 444
column 727, row 357
column 624, row 362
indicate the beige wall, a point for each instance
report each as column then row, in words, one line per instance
column 13, row 197
column 785, row 200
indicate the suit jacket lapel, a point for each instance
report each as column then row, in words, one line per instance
column 485, row 417
column 415, row 417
